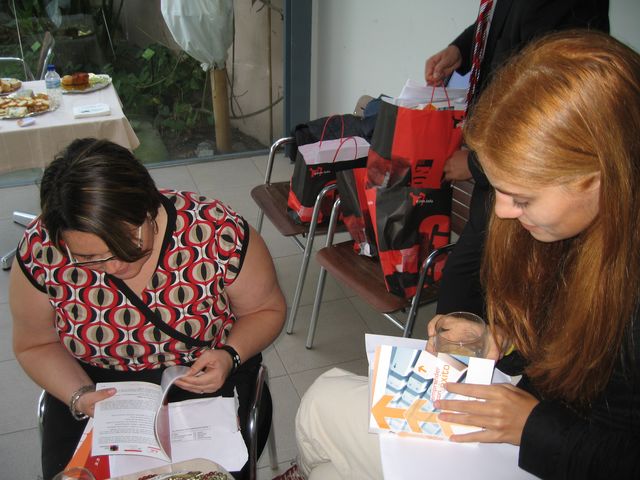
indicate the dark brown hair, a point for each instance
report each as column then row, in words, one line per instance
column 98, row 187
column 565, row 109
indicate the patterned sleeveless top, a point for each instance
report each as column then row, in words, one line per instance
column 183, row 309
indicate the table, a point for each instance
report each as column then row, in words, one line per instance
column 34, row 146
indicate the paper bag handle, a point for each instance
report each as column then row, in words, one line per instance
column 433, row 91
column 342, row 142
column 324, row 128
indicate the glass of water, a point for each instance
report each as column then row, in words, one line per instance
column 462, row 333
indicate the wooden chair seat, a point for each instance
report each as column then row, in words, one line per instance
column 364, row 276
column 272, row 200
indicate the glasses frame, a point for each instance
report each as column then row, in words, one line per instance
column 99, row 261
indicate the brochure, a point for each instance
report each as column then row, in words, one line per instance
column 137, row 429
column 405, row 382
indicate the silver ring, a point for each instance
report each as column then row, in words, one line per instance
column 201, row 392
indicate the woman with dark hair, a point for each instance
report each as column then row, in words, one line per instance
column 556, row 133
column 117, row 280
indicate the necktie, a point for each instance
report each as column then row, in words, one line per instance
column 479, row 43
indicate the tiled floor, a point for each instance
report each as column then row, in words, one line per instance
column 339, row 340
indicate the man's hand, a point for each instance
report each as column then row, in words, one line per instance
column 439, row 66
column 457, row 166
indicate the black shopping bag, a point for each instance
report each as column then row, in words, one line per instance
column 409, row 223
column 314, row 169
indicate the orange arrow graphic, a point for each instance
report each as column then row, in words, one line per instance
column 415, row 414
column 381, row 410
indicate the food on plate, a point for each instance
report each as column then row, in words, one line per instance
column 26, row 105
column 9, row 85
column 17, row 112
column 76, row 80
column 187, row 476
column 81, row 81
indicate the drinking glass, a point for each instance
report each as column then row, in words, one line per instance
column 461, row 333
column 75, row 473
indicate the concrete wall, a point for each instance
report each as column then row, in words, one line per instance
column 374, row 46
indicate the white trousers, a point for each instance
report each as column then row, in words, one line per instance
column 332, row 429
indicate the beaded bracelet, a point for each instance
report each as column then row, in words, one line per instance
column 75, row 413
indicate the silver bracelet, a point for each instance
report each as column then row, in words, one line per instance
column 75, row 413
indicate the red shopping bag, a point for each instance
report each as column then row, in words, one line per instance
column 409, row 223
column 315, row 168
column 410, row 147
column 355, row 214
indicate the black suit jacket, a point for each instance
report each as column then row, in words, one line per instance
column 514, row 24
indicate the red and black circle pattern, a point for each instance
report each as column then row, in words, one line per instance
column 100, row 321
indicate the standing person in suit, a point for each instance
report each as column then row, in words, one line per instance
column 511, row 25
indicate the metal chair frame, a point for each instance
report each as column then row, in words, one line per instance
column 310, row 233
column 424, row 293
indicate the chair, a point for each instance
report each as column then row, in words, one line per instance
column 46, row 53
column 252, row 425
column 364, row 275
column 271, row 198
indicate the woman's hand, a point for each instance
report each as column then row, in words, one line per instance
column 502, row 415
column 208, row 373
column 439, row 66
column 87, row 402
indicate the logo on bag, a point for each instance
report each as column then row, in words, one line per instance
column 317, row 171
column 419, row 198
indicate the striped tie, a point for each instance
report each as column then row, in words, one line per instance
column 479, row 43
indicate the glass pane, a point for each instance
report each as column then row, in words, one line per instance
column 165, row 93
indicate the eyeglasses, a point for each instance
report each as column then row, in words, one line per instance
column 89, row 263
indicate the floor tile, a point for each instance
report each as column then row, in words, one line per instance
column 285, row 406
column 18, row 404
column 282, row 167
column 226, row 173
column 339, row 338
column 288, row 270
column 279, row 246
column 6, row 348
column 20, row 455
column 24, row 199
column 176, row 178
column 271, row 360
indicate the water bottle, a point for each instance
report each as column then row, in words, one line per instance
column 54, row 88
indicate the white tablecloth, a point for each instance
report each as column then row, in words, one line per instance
column 35, row 146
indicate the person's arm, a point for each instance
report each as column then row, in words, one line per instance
column 557, row 443
column 259, row 307
column 38, row 349
column 464, row 43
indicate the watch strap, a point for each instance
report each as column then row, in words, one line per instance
column 235, row 357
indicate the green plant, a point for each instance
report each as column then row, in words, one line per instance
column 170, row 87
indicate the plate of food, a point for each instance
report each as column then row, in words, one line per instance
column 24, row 104
column 9, row 85
column 195, row 469
column 81, row 82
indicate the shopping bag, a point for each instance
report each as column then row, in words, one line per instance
column 314, row 169
column 409, row 223
column 355, row 214
column 409, row 147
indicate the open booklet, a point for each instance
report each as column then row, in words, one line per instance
column 405, row 382
column 137, row 428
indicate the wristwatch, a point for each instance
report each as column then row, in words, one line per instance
column 234, row 357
